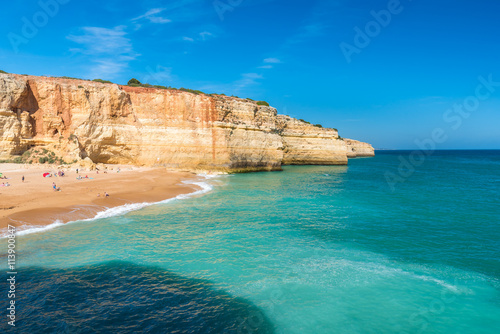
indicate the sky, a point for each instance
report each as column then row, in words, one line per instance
column 397, row 74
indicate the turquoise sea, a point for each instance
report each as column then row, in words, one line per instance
column 312, row 249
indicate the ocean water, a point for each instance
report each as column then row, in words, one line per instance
column 312, row 249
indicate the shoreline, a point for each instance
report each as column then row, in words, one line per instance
column 34, row 205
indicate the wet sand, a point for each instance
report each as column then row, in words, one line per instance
column 34, row 202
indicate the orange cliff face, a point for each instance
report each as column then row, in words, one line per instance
column 109, row 123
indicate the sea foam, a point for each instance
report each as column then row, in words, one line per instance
column 118, row 210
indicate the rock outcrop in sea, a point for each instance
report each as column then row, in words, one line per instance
column 109, row 123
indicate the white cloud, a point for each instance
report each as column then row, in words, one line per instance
column 107, row 68
column 252, row 76
column 272, row 61
column 266, row 66
column 237, row 86
column 96, row 40
column 202, row 36
column 159, row 20
column 152, row 17
column 110, row 49
column 205, row 34
column 159, row 76
column 248, row 79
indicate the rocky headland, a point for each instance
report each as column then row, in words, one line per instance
column 96, row 122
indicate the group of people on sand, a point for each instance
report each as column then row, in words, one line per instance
column 4, row 184
column 56, row 188
column 59, row 173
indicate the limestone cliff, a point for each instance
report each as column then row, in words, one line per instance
column 308, row 144
column 109, row 123
column 358, row 149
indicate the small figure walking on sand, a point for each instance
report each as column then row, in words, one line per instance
column 23, row 178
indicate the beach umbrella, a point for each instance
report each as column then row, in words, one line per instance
column 46, row 174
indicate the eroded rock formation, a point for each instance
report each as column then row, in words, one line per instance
column 109, row 123
column 357, row 148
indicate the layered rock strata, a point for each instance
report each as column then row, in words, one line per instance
column 109, row 123
column 357, row 148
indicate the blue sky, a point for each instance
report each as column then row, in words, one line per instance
column 394, row 90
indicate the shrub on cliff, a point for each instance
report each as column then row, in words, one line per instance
column 3, row 72
column 262, row 103
column 134, row 82
column 318, row 125
column 71, row 78
column 102, row 81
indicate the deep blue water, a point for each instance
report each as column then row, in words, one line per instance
column 312, row 249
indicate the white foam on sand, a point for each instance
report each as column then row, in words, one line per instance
column 118, row 210
column 30, row 229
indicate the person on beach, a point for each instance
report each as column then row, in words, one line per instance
column 23, row 178
column 106, row 194
column 98, row 194
column 55, row 187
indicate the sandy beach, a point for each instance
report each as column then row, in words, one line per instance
column 35, row 202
